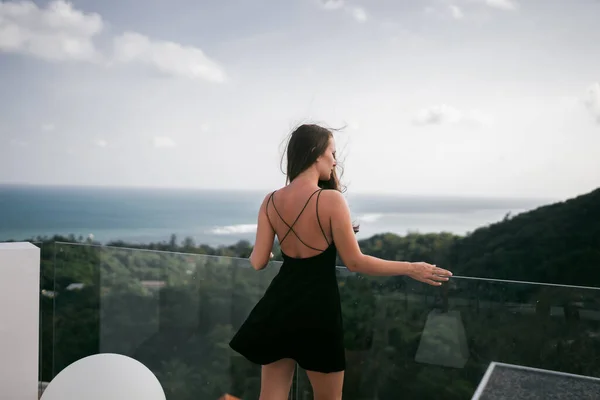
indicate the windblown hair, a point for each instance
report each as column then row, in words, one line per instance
column 307, row 143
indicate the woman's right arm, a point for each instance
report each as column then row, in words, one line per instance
column 356, row 261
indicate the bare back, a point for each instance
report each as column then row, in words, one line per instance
column 301, row 220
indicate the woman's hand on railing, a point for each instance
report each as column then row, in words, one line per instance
column 428, row 273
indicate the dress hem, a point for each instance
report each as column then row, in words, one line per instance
column 266, row 361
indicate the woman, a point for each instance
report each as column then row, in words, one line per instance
column 299, row 318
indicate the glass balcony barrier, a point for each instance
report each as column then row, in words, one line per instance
column 176, row 312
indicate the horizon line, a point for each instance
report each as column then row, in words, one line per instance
column 350, row 192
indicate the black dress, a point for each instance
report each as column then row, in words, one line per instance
column 299, row 316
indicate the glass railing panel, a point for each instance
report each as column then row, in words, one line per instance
column 173, row 312
column 411, row 341
column 46, row 311
column 75, row 296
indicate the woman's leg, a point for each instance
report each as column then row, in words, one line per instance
column 276, row 379
column 326, row 386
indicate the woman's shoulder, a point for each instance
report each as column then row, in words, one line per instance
column 331, row 200
column 332, row 195
column 270, row 195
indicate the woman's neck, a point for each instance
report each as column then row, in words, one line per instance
column 307, row 178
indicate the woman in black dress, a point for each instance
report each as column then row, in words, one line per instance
column 299, row 319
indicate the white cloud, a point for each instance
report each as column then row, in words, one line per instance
column 444, row 114
column 163, row 141
column 60, row 32
column 508, row 5
column 332, row 4
column 359, row 13
column 456, row 12
column 168, row 57
column 592, row 100
column 450, row 8
column 48, row 127
column 445, row 11
column 100, row 143
column 56, row 33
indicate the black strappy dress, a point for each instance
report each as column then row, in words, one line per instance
column 299, row 316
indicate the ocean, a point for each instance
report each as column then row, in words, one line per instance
column 219, row 217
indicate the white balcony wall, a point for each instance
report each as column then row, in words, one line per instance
column 19, row 320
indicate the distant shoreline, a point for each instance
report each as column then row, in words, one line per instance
column 262, row 191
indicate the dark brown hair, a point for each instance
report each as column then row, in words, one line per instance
column 307, row 143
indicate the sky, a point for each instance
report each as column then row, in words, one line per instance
column 495, row 98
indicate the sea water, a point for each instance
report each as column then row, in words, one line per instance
column 219, row 217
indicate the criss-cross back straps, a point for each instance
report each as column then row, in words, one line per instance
column 291, row 227
column 319, row 219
